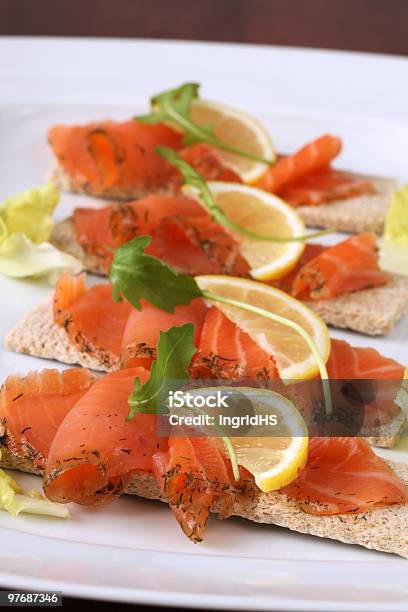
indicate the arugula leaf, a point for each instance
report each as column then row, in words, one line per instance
column 174, row 106
column 175, row 350
column 192, row 178
column 135, row 276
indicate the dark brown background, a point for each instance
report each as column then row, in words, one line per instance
column 359, row 25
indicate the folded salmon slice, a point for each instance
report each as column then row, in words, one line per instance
column 310, row 251
column 192, row 474
column 143, row 327
column 93, row 321
column 99, row 230
column 350, row 265
column 311, row 158
column 198, row 246
column 324, row 187
column 348, row 362
column 96, row 450
column 344, row 475
column 306, row 178
column 107, row 154
column 208, row 162
column 183, row 234
column 227, row 352
column 32, row 408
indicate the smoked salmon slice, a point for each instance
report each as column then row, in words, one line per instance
column 198, row 246
column 96, row 450
column 306, row 178
column 99, row 230
column 93, row 232
column 376, row 403
column 192, row 474
column 350, row 265
column 32, row 408
column 344, row 475
column 121, row 155
column 323, row 187
column 119, row 159
column 93, row 321
column 208, row 162
column 311, row 158
column 227, row 352
column 346, row 361
column 183, row 234
column 141, row 334
column 310, row 251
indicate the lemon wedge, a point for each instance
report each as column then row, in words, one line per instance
column 240, row 130
column 294, row 357
column 267, row 215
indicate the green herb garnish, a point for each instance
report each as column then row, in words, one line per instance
column 192, row 178
column 138, row 276
column 135, row 275
column 175, row 350
column 174, row 106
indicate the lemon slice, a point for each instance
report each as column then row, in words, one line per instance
column 274, row 451
column 240, row 130
column 267, row 215
column 274, row 460
column 293, row 355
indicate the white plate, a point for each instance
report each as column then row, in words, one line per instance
column 133, row 551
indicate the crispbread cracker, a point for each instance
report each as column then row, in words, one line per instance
column 64, row 238
column 382, row 528
column 39, row 336
column 371, row 311
column 67, row 183
column 363, row 213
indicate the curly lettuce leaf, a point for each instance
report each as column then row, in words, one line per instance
column 396, row 222
column 22, row 258
column 14, row 500
column 25, row 226
column 29, row 213
column 394, row 244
